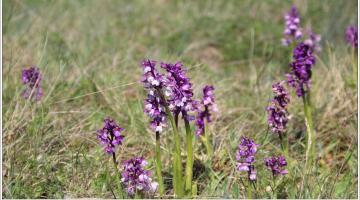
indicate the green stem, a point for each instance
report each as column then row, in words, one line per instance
column 176, row 118
column 118, row 175
column 310, row 133
column 208, row 145
column 138, row 195
column 284, row 143
column 250, row 186
column 249, row 193
column 108, row 174
column 177, row 165
column 274, row 188
column 189, row 159
column 254, row 186
column 355, row 64
column 158, row 165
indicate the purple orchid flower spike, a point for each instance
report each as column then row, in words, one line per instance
column 292, row 26
column 110, row 135
column 352, row 35
column 246, row 157
column 154, row 82
column 208, row 101
column 276, row 164
column 179, row 90
column 300, row 74
column 136, row 178
column 277, row 112
column 31, row 77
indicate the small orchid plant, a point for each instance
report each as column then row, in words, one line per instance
column 31, row 78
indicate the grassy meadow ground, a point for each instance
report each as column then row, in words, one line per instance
column 90, row 52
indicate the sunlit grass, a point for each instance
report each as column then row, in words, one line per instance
column 90, row 53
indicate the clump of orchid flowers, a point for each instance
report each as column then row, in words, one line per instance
column 134, row 176
column 170, row 98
